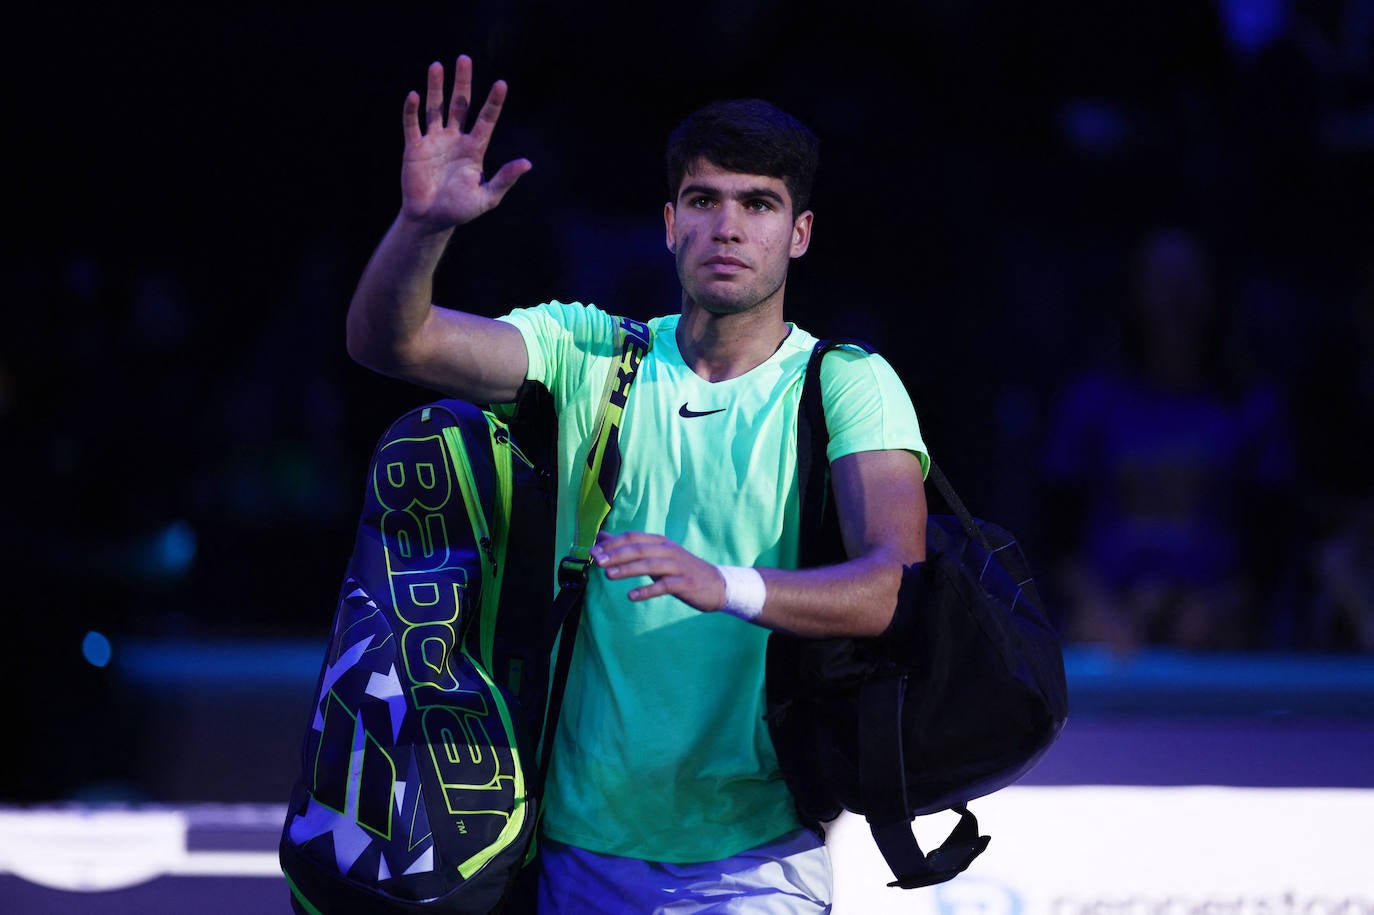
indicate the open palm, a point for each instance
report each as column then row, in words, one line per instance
column 442, row 179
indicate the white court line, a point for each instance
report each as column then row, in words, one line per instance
column 226, row 864
column 1076, row 850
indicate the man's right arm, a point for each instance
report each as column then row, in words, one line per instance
column 393, row 326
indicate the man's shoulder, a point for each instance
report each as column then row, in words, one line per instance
column 567, row 314
column 584, row 325
column 850, row 351
column 853, row 361
column 663, row 324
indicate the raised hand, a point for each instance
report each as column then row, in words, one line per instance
column 442, row 179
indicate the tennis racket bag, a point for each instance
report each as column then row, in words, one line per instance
column 422, row 770
column 417, row 788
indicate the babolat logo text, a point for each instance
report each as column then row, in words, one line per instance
column 637, row 346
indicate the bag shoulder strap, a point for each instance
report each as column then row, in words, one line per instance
column 633, row 340
column 820, row 543
column 813, row 436
column 599, row 476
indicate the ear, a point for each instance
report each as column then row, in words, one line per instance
column 801, row 234
column 670, row 226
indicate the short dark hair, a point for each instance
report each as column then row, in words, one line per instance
column 749, row 136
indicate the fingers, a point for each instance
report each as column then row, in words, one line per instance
column 410, row 118
column 672, row 569
column 462, row 92
column 459, row 103
column 634, row 554
column 506, row 177
column 434, row 97
column 617, row 546
column 491, row 111
column 443, row 161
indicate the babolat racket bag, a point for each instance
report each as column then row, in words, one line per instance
column 418, row 788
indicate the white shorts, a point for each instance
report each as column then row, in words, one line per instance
column 788, row 876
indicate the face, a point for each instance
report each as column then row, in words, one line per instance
column 733, row 236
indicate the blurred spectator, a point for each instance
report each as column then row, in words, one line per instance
column 1335, row 415
column 1161, row 467
column 1343, row 564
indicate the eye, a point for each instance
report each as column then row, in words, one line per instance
column 701, row 202
column 759, row 205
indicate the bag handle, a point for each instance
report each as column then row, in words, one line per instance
column 599, row 476
column 882, row 783
column 882, row 751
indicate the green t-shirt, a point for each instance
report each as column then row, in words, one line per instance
column 662, row 752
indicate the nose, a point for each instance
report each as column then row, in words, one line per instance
column 728, row 227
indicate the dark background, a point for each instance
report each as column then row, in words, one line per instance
column 191, row 195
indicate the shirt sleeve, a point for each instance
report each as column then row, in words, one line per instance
column 867, row 408
column 567, row 343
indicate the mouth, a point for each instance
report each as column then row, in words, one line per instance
column 725, row 264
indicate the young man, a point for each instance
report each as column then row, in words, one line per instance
column 664, row 787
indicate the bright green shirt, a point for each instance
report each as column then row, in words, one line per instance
column 662, row 752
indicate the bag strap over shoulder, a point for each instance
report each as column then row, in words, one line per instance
column 599, row 476
column 815, row 435
column 821, row 534
column 882, row 763
column 633, row 340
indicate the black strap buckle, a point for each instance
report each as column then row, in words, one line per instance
column 572, row 572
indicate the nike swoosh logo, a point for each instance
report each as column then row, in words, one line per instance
column 689, row 414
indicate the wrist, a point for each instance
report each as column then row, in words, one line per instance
column 745, row 592
column 420, row 231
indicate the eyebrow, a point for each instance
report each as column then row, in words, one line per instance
column 749, row 193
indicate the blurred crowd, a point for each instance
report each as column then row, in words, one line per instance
column 1125, row 264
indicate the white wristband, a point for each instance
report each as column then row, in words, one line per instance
column 744, row 592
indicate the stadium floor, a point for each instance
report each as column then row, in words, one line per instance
column 1182, row 782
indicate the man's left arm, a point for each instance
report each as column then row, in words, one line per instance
column 881, row 503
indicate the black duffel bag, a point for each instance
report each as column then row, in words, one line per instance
column 961, row 696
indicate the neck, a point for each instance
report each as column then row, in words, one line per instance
column 722, row 346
